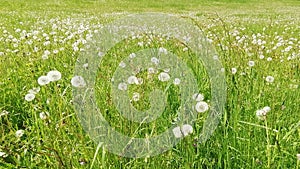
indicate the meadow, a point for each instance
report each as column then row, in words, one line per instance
column 257, row 44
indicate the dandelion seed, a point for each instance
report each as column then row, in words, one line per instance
column 54, row 75
column 183, row 131
column 19, row 133
column 29, row 97
column 251, row 63
column 78, row 81
column 154, row 60
column 122, row 86
column 136, row 96
column 198, row 97
column 185, row 49
column 270, row 79
column 163, row 76
column 201, row 107
column 132, row 80
column 233, row 70
column 176, row 81
column 43, row 80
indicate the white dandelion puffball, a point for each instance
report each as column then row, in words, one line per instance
column 251, row 63
column 43, row 80
column 177, row 81
column 54, row 75
column 201, row 107
column 154, row 60
column 183, row 131
column 163, row 76
column 78, row 81
column 198, row 97
column 163, row 50
column 136, row 96
column 29, row 97
column 122, row 86
column 132, row 80
column 132, row 55
column 19, row 133
column 233, row 70
column 270, row 79
column 151, row 70
column 34, row 90
column 44, row 115
column 267, row 109
column 261, row 114
column 122, row 64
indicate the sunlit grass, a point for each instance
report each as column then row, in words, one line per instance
column 239, row 35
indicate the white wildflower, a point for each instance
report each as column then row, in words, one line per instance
column 29, row 97
column 43, row 80
column 270, row 79
column 19, row 133
column 163, row 76
column 122, row 64
column 201, row 107
column 122, row 86
column 78, row 81
column 176, row 81
column 183, row 131
column 136, row 96
column 198, row 97
column 154, row 60
column 233, row 70
column 251, row 63
column 132, row 80
column 54, row 75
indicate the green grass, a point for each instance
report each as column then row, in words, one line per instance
column 241, row 140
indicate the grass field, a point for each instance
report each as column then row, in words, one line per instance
column 257, row 43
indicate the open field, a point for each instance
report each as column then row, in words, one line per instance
column 257, row 43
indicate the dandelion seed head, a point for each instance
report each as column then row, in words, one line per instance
column 43, row 80
column 201, row 107
column 29, row 97
column 270, row 79
column 163, row 76
column 78, row 81
column 198, row 97
column 176, row 81
column 122, row 86
column 19, row 133
column 54, row 75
